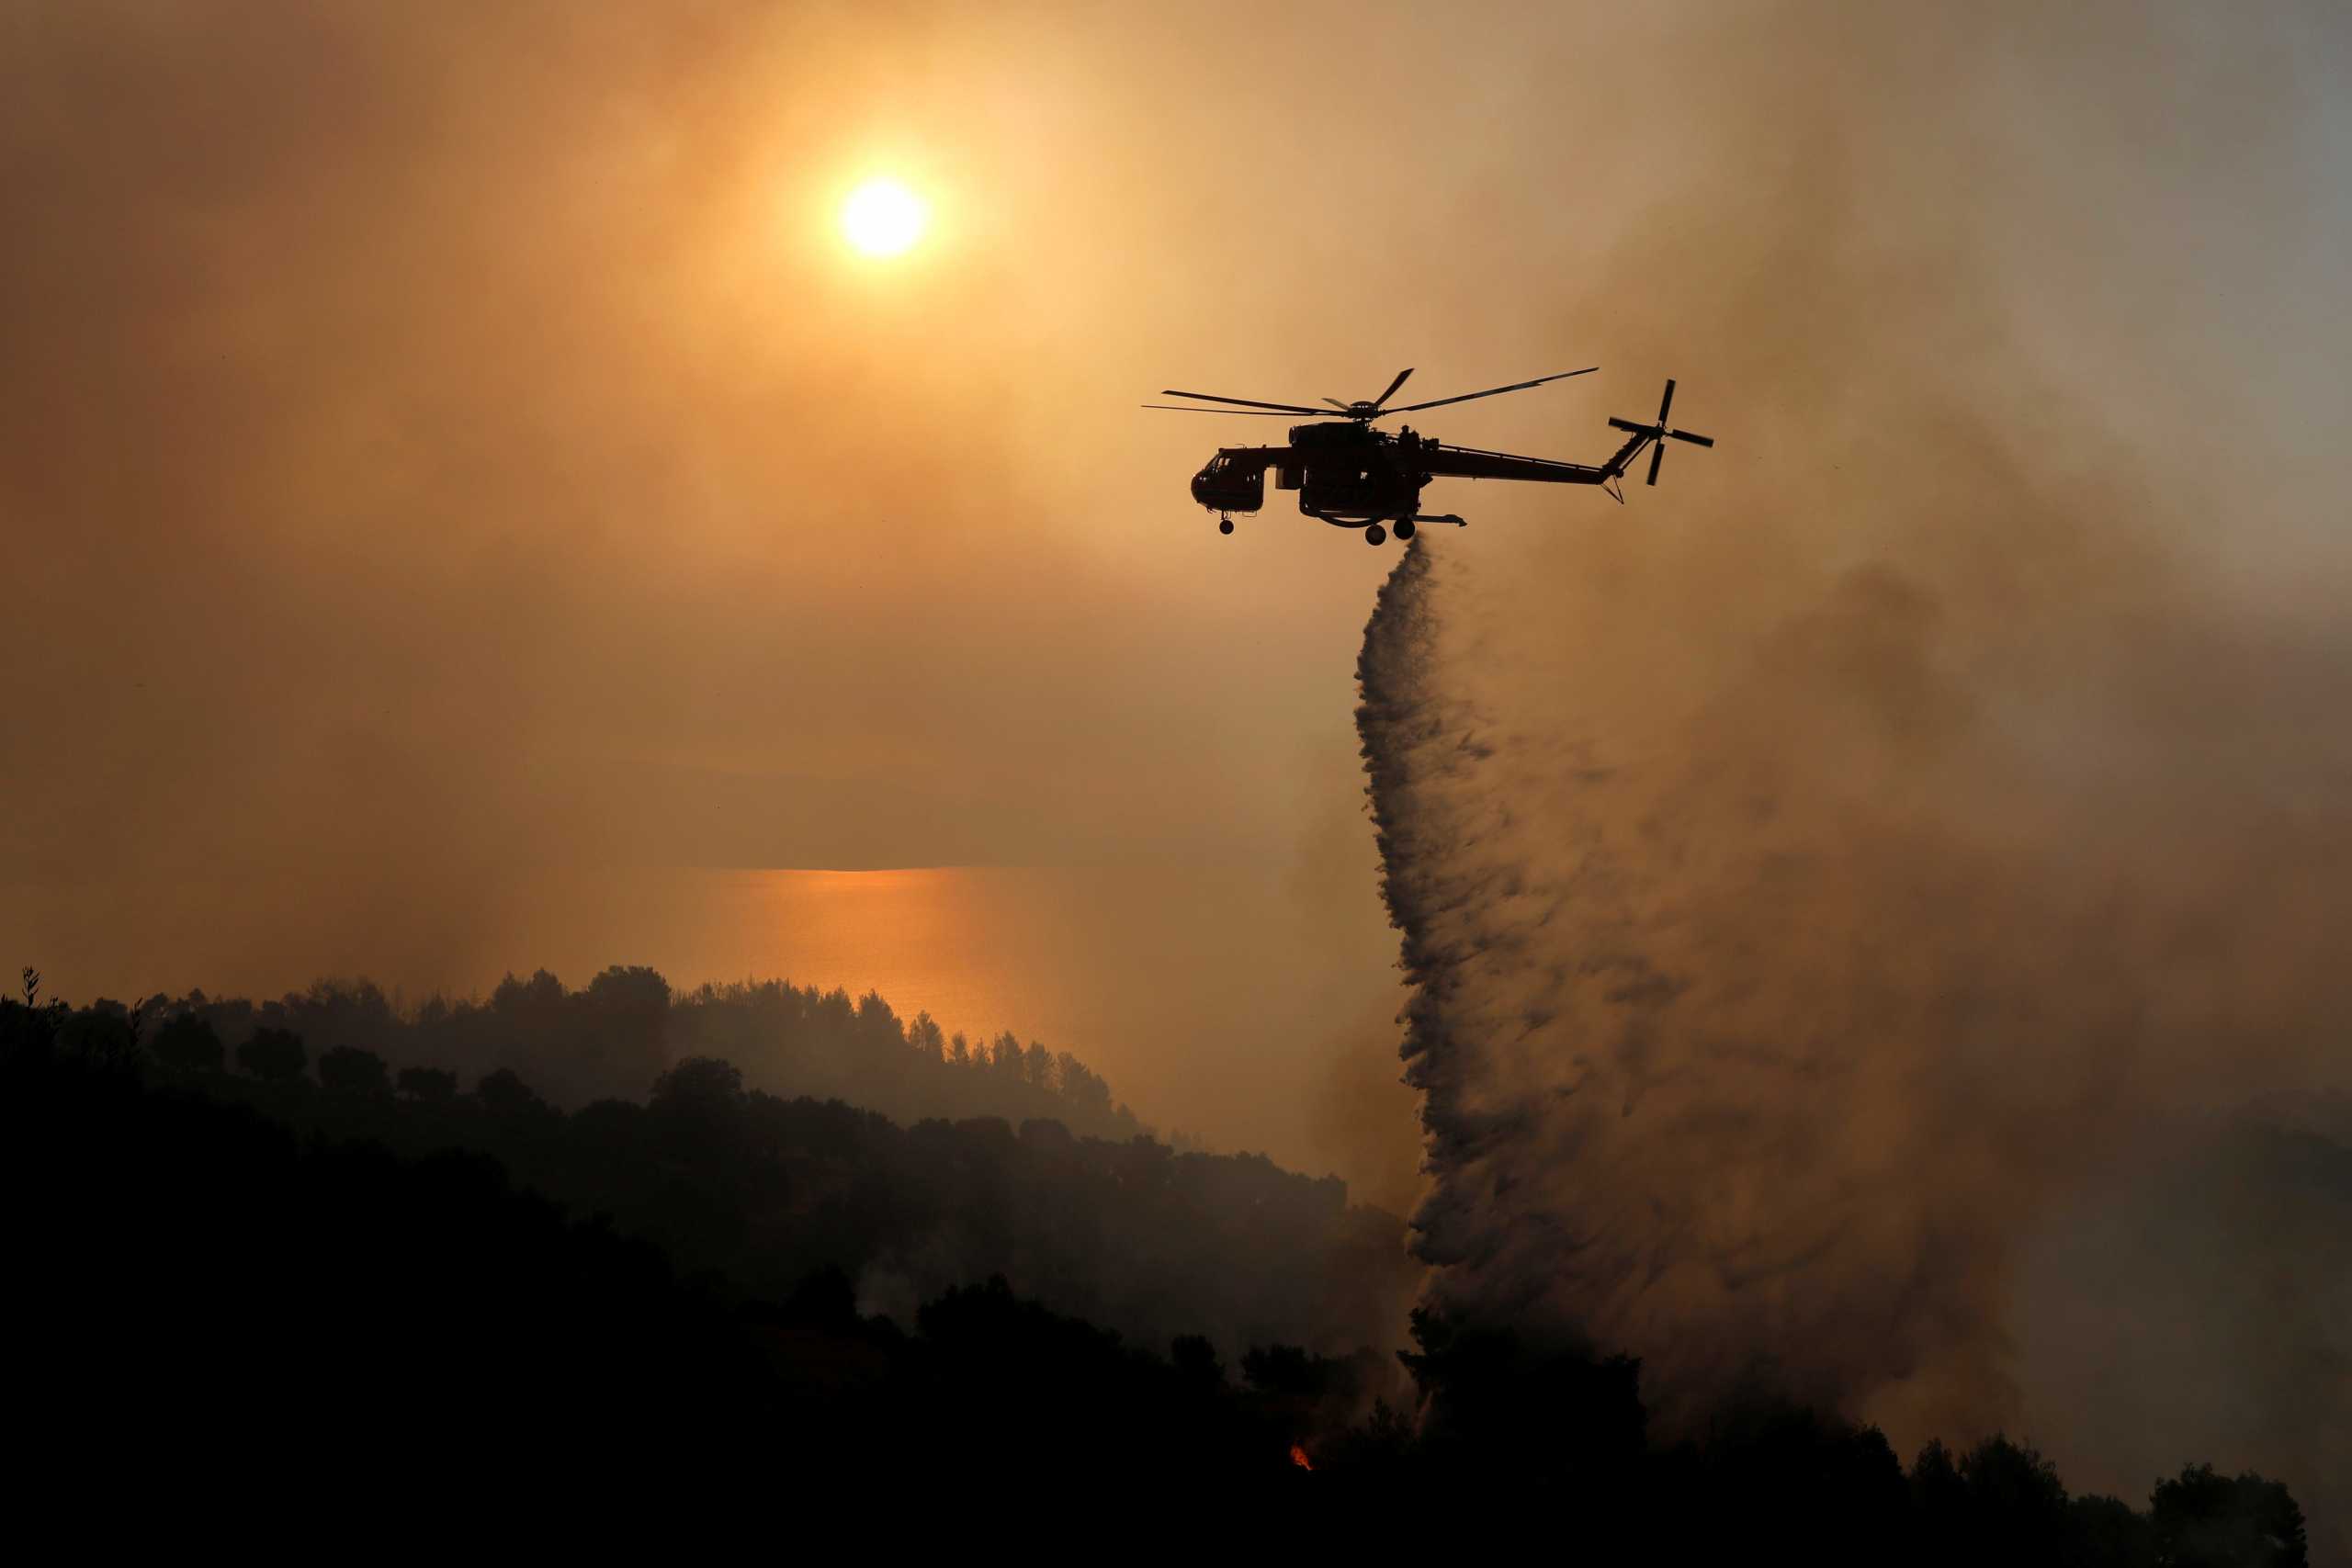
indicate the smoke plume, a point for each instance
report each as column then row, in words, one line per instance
column 1872, row 909
column 1773, row 999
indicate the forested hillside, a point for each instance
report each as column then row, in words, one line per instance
column 613, row 1036
column 218, row 1288
column 1011, row 1161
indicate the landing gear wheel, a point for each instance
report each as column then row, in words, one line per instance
column 1225, row 525
column 1376, row 535
column 1404, row 527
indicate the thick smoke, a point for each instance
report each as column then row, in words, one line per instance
column 1780, row 1004
column 1873, row 908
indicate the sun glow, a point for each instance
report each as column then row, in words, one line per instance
column 883, row 218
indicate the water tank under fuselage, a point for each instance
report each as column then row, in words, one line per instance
column 1351, row 472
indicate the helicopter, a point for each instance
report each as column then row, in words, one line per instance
column 1352, row 475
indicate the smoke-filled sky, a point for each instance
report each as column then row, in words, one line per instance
column 445, row 444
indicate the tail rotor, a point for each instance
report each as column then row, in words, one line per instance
column 1659, row 434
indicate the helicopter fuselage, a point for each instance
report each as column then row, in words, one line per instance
column 1346, row 474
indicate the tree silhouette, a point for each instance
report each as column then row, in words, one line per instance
column 188, row 1043
column 699, row 1086
column 504, row 1095
column 2107, row 1532
column 346, row 1069
column 103, row 1038
column 273, row 1055
column 619, row 1025
column 1495, row 1406
column 428, row 1085
column 539, row 999
column 1194, row 1358
column 2015, row 1500
column 924, row 1038
column 2206, row 1520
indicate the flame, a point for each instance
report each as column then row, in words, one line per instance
column 1298, row 1457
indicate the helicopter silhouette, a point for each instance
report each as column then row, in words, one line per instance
column 1352, row 475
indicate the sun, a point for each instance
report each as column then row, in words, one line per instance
column 883, row 218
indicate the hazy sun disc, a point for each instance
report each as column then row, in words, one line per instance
column 882, row 218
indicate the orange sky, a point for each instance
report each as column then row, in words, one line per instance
column 441, row 443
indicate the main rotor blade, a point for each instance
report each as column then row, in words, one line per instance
column 1657, row 455
column 1666, row 402
column 1619, row 423
column 1392, row 387
column 1491, row 392
column 1244, row 402
column 1694, row 440
column 1338, row 404
column 1258, row 413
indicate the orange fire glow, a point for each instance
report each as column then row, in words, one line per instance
column 1298, row 1457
